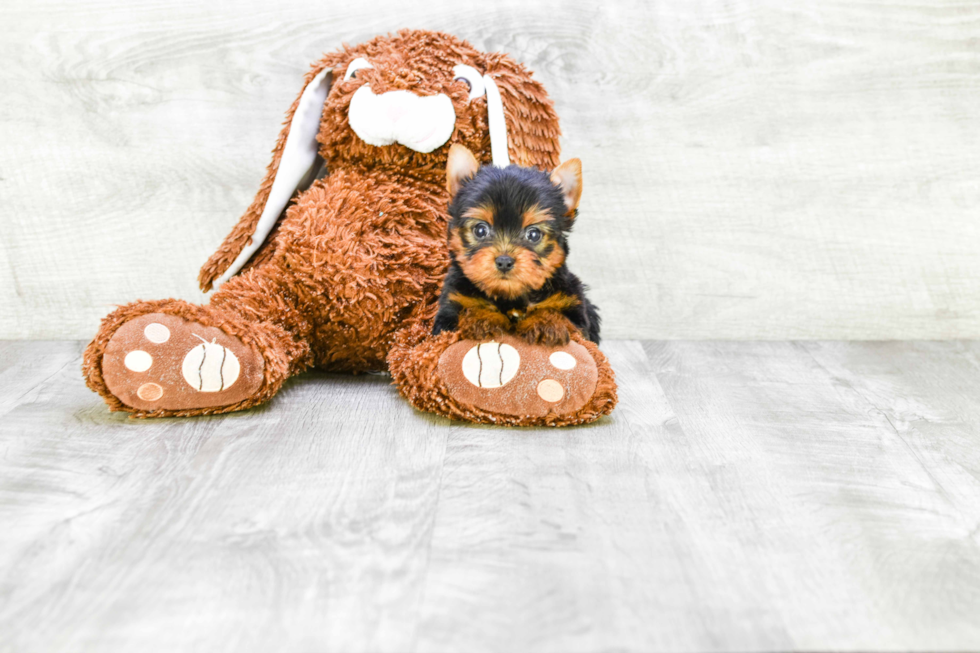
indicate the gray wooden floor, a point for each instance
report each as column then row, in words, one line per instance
column 749, row 496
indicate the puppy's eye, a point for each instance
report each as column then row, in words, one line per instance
column 481, row 230
column 533, row 234
column 471, row 77
column 356, row 65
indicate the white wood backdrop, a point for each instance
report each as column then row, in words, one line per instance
column 754, row 168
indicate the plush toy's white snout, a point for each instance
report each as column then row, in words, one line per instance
column 417, row 122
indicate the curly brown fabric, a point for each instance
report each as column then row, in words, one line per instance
column 420, row 61
column 414, row 365
column 283, row 355
column 361, row 253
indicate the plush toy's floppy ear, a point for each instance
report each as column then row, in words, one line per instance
column 461, row 166
column 497, row 123
column 294, row 165
column 568, row 177
column 531, row 128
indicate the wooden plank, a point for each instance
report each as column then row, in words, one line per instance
column 744, row 496
column 820, row 515
column 602, row 538
column 739, row 155
column 28, row 367
column 551, row 539
column 300, row 526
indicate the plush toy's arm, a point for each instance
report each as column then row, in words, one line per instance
column 235, row 242
column 294, row 166
column 241, row 234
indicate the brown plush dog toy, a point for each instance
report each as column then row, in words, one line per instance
column 343, row 250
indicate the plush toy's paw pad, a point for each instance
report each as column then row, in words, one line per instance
column 511, row 377
column 162, row 362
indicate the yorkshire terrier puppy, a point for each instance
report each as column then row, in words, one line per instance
column 508, row 240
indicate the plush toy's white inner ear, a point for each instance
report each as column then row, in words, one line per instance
column 498, row 125
column 298, row 156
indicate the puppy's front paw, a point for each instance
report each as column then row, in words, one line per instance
column 483, row 324
column 547, row 328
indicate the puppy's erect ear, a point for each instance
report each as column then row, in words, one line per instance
column 460, row 167
column 568, row 177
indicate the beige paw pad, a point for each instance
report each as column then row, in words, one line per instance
column 149, row 392
column 511, row 377
column 156, row 333
column 209, row 367
column 138, row 361
column 161, row 362
column 551, row 391
column 491, row 364
column 562, row 360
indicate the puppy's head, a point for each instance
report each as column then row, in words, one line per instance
column 509, row 226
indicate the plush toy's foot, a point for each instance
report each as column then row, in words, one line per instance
column 163, row 362
column 170, row 358
column 511, row 377
column 505, row 381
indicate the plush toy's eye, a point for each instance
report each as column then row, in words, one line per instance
column 356, row 65
column 481, row 230
column 472, row 77
column 533, row 234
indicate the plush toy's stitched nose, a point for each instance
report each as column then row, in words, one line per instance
column 505, row 263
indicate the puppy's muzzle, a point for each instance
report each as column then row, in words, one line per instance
column 505, row 263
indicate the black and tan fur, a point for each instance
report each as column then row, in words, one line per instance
column 508, row 241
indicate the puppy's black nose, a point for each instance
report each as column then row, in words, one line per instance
column 505, row 263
